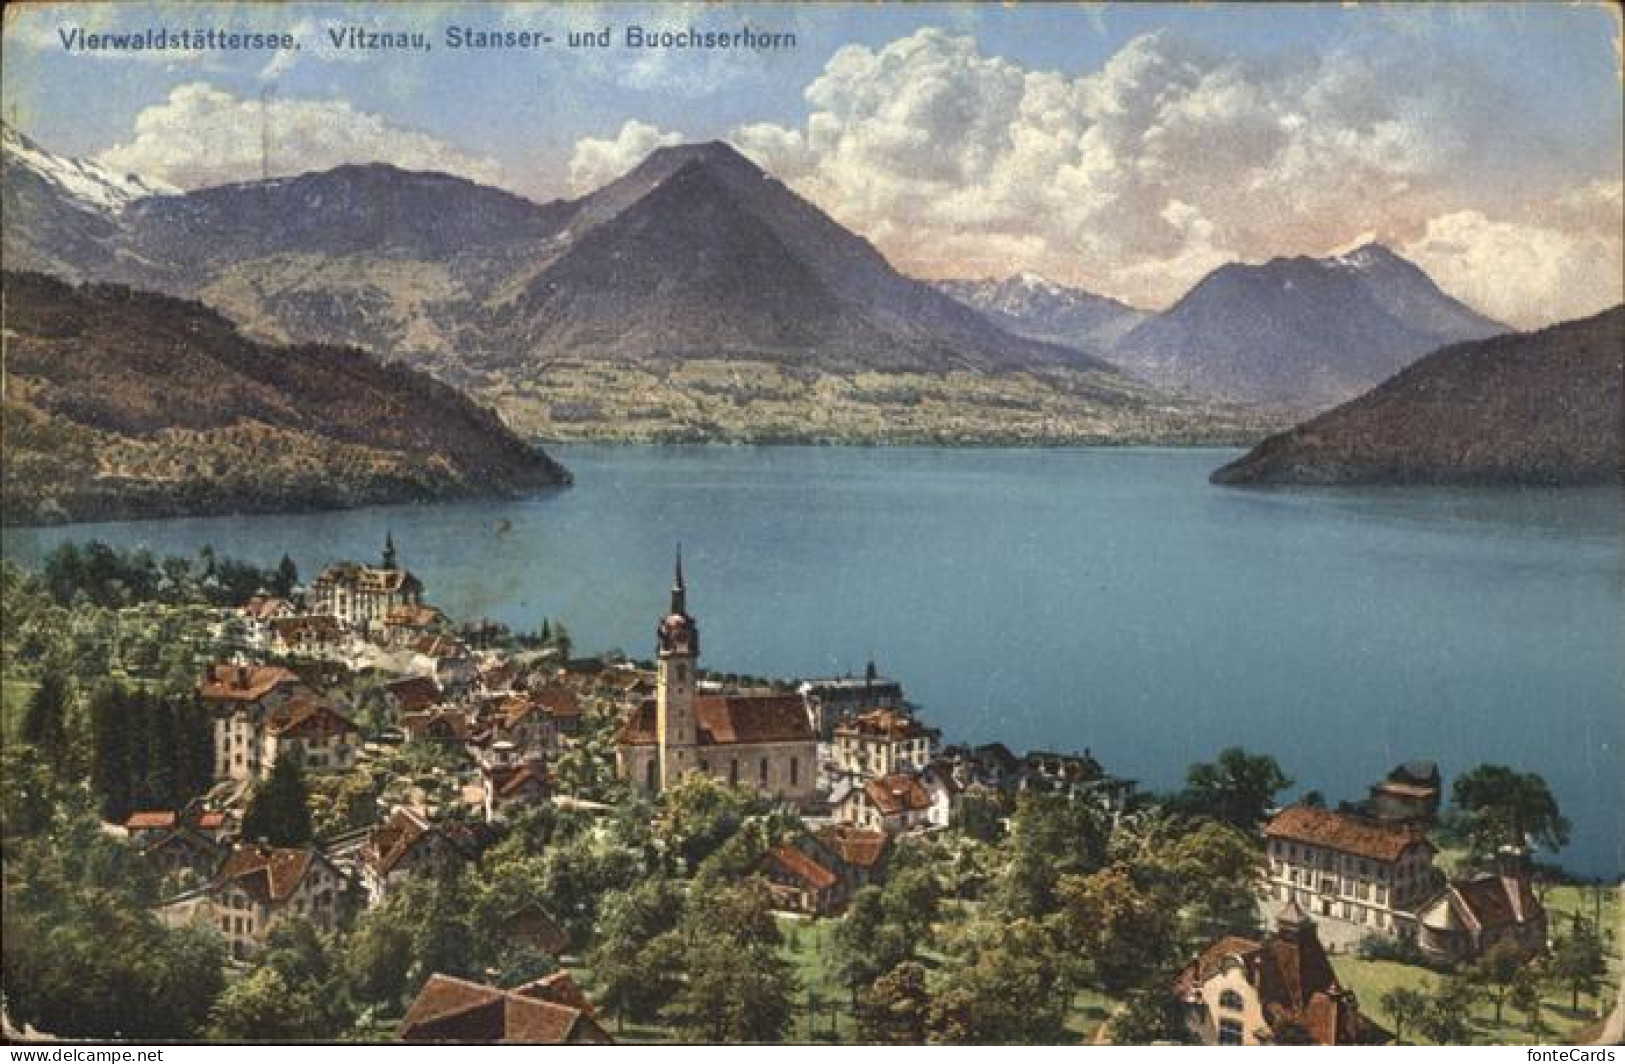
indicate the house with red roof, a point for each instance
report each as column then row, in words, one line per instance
column 893, row 804
column 1280, row 990
column 1474, row 913
column 257, row 888
column 448, row 1009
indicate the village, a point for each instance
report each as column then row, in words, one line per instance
column 366, row 755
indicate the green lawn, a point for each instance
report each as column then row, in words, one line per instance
column 1371, row 979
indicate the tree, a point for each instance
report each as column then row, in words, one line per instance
column 1406, row 1007
column 1495, row 806
column 699, row 813
column 284, row 578
column 1238, row 788
column 896, row 1008
column 1525, row 997
column 736, row 984
column 1578, row 961
column 1122, row 929
column 264, row 1007
column 865, row 943
column 45, row 720
column 1051, row 835
column 110, row 751
column 279, row 812
column 631, row 976
column 1444, row 1020
column 1147, row 1017
column 1496, row 970
column 1011, row 989
column 911, row 899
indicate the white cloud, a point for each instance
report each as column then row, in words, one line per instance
column 599, row 160
column 202, row 135
column 1140, row 177
column 1525, row 275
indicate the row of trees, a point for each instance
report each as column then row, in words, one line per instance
column 108, row 576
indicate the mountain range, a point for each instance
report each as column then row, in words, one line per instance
column 124, row 404
column 1040, row 309
column 1299, row 332
column 1545, row 407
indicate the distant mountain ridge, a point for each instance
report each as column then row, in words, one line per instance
column 1299, row 331
column 1544, row 407
column 121, row 404
column 1040, row 309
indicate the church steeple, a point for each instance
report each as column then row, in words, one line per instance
column 679, row 592
column 389, row 550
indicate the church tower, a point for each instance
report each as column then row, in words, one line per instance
column 677, row 649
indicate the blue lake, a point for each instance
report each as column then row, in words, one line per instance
column 1101, row 598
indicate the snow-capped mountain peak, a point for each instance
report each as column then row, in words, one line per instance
column 89, row 183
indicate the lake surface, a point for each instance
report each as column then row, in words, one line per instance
column 1101, row 598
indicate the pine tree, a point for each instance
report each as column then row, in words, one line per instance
column 45, row 720
column 110, row 751
column 285, row 578
column 279, row 812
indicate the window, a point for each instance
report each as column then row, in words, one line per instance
column 1231, row 1000
column 1230, row 1033
column 795, row 770
column 764, row 770
column 733, row 770
column 652, row 775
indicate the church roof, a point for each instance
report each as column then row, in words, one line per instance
column 729, row 720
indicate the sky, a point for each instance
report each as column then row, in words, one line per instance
column 1125, row 148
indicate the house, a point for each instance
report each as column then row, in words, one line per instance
column 183, row 852
column 316, row 635
column 240, row 697
column 405, row 846
column 1278, row 991
column 799, row 882
column 408, row 622
column 257, row 888
column 524, row 721
column 448, row 661
column 258, row 613
column 448, row 1009
column 893, row 804
column 439, row 725
column 858, row 855
column 563, row 707
column 1076, row 775
column 414, row 694
column 1475, row 913
column 509, row 783
column 1358, row 876
column 831, row 701
column 882, row 742
column 362, row 596
column 144, row 826
column 765, row 741
column 326, row 740
column 532, row 926
column 1410, row 794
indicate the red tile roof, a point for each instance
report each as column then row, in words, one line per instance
column 1296, row 986
column 1344, row 833
column 306, row 718
column 855, row 846
column 319, row 626
column 150, row 821
column 558, row 988
column 883, row 724
column 559, row 701
column 509, row 781
column 414, row 693
column 270, row 875
column 244, row 683
column 391, row 841
column 897, row 794
column 797, row 864
column 726, row 720
column 455, row 1010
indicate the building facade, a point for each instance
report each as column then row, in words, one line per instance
column 882, row 742
column 1355, row 875
column 765, row 741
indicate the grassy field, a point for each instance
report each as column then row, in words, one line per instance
column 1371, row 979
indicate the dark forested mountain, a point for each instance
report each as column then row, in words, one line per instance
column 1040, row 309
column 1527, row 408
column 121, row 403
column 1300, row 331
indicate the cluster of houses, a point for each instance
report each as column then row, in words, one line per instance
column 848, row 753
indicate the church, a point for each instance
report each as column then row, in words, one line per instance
column 765, row 741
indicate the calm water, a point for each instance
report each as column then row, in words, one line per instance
column 1108, row 599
